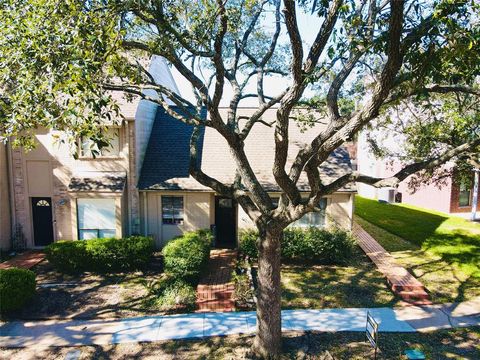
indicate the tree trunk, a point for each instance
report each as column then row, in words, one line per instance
column 268, row 340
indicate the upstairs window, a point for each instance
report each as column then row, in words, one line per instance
column 465, row 193
column 172, row 210
column 88, row 147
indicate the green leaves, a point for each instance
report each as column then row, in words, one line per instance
column 54, row 56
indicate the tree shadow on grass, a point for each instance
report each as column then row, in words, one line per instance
column 88, row 295
column 356, row 285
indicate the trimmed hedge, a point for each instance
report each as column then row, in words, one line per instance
column 17, row 286
column 311, row 244
column 101, row 255
column 186, row 256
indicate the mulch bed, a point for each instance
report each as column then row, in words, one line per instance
column 89, row 295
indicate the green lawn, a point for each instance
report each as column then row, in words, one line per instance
column 357, row 284
column 442, row 251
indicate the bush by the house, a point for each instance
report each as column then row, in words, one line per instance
column 185, row 257
column 101, row 255
column 311, row 244
column 17, row 286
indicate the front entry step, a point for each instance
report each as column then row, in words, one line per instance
column 215, row 289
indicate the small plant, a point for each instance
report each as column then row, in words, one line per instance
column 17, row 287
column 178, row 294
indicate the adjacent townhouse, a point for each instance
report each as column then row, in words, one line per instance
column 55, row 196
column 453, row 195
column 174, row 202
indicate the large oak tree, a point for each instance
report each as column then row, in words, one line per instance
column 60, row 60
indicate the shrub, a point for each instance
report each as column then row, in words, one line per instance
column 248, row 243
column 17, row 286
column 101, row 255
column 186, row 256
column 312, row 244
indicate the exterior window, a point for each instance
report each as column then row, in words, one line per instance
column 88, row 147
column 316, row 219
column 172, row 209
column 465, row 193
column 311, row 219
column 96, row 218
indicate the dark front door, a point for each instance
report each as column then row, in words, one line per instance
column 225, row 222
column 42, row 221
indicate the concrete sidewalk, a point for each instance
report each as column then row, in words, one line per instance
column 155, row 328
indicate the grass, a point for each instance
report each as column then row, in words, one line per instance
column 357, row 285
column 442, row 251
column 444, row 344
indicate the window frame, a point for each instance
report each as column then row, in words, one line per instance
column 174, row 221
column 97, row 230
column 101, row 156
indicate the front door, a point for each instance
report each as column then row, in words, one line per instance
column 225, row 222
column 42, row 221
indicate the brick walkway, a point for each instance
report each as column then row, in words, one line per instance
column 400, row 280
column 215, row 289
column 25, row 260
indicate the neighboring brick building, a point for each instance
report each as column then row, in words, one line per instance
column 450, row 196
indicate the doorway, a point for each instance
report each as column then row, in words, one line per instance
column 225, row 222
column 42, row 221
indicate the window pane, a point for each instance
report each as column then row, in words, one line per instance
column 464, row 198
column 172, row 209
column 113, row 149
column 87, row 234
column 106, row 233
column 96, row 213
column 313, row 218
column 87, row 146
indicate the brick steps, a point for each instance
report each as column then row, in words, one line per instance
column 215, row 289
column 402, row 283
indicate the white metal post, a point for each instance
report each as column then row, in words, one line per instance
column 475, row 194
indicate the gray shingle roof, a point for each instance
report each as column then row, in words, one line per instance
column 166, row 161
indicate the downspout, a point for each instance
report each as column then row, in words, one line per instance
column 11, row 194
column 475, row 194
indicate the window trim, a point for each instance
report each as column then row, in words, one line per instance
column 81, row 155
column 182, row 197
